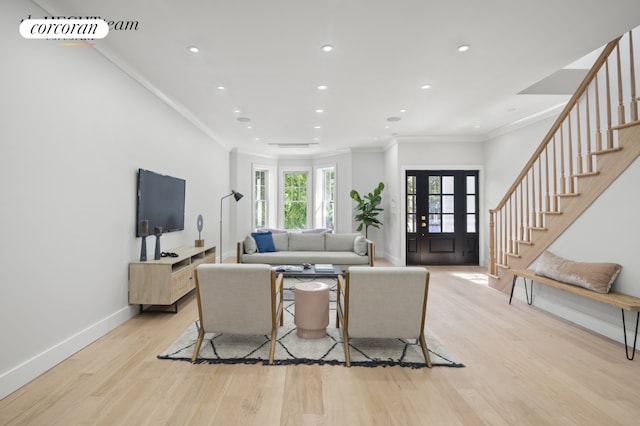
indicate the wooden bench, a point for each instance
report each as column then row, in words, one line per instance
column 619, row 300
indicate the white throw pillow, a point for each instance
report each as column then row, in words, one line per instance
column 360, row 245
column 250, row 246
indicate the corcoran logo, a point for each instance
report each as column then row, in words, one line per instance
column 64, row 29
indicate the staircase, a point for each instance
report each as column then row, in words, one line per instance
column 594, row 139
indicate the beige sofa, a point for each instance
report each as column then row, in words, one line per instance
column 292, row 248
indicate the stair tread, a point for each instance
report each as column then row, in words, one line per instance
column 586, row 174
column 607, row 151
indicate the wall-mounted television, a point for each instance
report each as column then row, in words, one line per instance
column 160, row 201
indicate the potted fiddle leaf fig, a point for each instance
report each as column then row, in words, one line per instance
column 368, row 208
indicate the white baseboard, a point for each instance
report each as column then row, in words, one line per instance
column 396, row 261
column 22, row 374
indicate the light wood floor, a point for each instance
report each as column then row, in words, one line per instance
column 523, row 367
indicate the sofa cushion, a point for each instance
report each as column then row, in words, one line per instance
column 250, row 245
column 272, row 230
column 340, row 242
column 360, row 246
column 593, row 276
column 306, row 242
column 264, row 241
column 281, row 241
column 300, row 257
column 317, row 231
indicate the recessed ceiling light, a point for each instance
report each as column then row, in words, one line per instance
column 220, row 87
column 256, row 139
column 403, row 110
column 317, row 127
column 322, row 87
column 193, row 49
column 319, row 110
column 463, row 47
column 237, row 111
column 249, row 127
column 327, row 48
column 425, row 86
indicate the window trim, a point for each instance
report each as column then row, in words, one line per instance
column 318, row 198
column 310, row 207
column 271, row 197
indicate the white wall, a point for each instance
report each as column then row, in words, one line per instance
column 367, row 171
column 76, row 130
column 393, row 217
column 606, row 232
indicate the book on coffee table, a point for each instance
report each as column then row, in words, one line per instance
column 289, row 268
column 324, row 267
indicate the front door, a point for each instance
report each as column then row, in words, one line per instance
column 442, row 217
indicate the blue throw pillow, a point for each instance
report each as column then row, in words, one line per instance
column 264, row 241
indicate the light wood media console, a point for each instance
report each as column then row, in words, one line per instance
column 163, row 282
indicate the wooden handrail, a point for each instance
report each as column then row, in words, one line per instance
column 602, row 59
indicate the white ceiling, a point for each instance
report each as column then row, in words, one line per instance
column 267, row 54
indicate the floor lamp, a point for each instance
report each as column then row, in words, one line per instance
column 236, row 196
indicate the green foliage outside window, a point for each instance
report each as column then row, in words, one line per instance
column 295, row 200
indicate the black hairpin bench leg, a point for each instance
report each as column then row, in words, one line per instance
column 526, row 291
column 635, row 339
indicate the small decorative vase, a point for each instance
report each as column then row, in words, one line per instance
column 158, row 233
column 143, row 250
column 144, row 231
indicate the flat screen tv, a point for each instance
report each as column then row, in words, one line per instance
column 160, row 201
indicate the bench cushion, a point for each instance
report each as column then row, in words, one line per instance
column 590, row 275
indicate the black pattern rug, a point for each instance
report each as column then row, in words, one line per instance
column 291, row 349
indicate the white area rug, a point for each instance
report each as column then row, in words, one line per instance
column 290, row 349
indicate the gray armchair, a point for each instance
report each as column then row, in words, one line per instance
column 238, row 299
column 383, row 302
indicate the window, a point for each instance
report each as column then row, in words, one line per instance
column 260, row 199
column 325, row 197
column 412, row 210
column 296, row 208
column 441, row 205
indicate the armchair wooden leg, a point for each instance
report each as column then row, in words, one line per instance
column 272, row 348
column 347, row 354
column 196, row 350
column 425, row 351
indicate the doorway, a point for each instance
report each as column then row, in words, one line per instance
column 442, row 217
